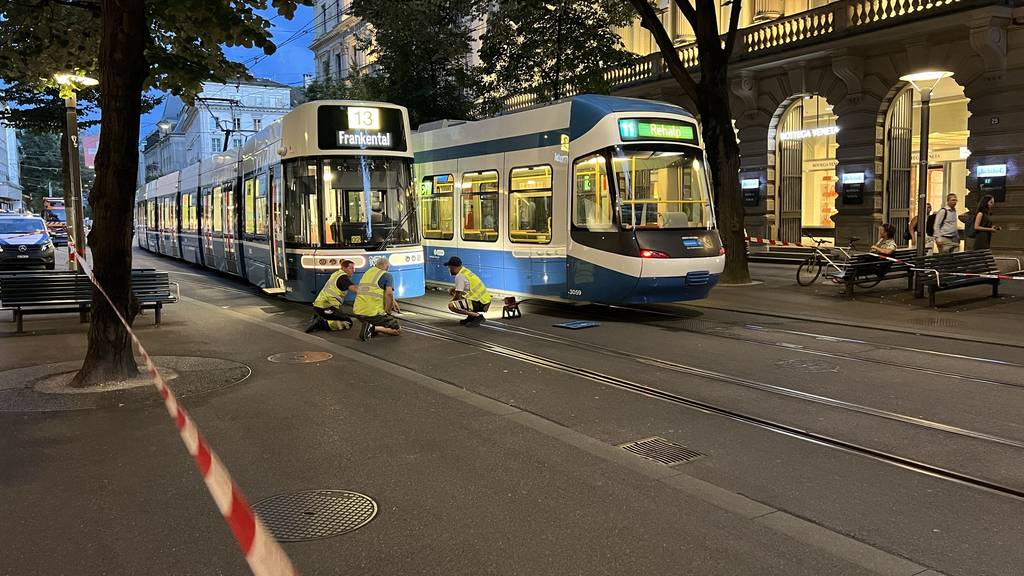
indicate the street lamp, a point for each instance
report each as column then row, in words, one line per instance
column 164, row 125
column 924, row 82
column 69, row 84
column 558, row 46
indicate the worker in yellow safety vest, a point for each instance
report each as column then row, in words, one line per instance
column 375, row 301
column 469, row 295
column 327, row 306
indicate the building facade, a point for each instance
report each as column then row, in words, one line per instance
column 222, row 114
column 10, row 174
column 830, row 134
column 336, row 48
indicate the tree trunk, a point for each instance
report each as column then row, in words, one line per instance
column 123, row 70
column 724, row 157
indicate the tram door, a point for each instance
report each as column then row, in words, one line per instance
column 230, row 229
column 278, row 258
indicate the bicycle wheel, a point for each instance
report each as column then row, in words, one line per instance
column 808, row 271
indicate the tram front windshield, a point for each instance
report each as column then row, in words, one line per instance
column 661, row 187
column 364, row 201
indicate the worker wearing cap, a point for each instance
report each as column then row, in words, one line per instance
column 375, row 302
column 469, row 295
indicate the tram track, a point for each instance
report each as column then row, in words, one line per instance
column 840, row 355
column 745, row 382
column 431, row 331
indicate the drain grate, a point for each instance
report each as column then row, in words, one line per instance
column 661, row 450
column 936, row 322
column 315, row 514
column 300, row 357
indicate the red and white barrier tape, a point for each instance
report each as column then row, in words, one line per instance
column 769, row 242
column 263, row 553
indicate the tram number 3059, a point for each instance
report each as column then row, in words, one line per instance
column 575, row 292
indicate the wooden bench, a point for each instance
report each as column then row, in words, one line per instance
column 935, row 272
column 867, row 270
column 36, row 293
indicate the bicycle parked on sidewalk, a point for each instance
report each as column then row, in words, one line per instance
column 835, row 258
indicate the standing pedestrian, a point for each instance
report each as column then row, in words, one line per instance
column 327, row 306
column 983, row 227
column 469, row 295
column 947, row 236
column 929, row 229
column 376, row 301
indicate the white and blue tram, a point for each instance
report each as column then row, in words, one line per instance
column 596, row 199
column 331, row 180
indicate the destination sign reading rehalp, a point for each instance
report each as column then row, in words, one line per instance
column 635, row 129
column 360, row 127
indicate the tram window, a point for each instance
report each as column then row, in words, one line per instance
column 437, row 205
column 302, row 224
column 207, row 210
column 592, row 204
column 529, row 208
column 480, row 206
column 218, row 209
column 260, row 204
column 660, row 188
column 249, row 188
column 151, row 215
column 185, row 204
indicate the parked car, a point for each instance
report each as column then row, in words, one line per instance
column 25, row 242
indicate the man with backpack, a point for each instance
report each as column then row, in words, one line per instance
column 947, row 236
column 929, row 229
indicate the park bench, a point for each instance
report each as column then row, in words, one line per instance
column 867, row 270
column 56, row 292
column 936, row 272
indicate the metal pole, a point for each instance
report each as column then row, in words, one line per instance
column 558, row 50
column 73, row 212
column 922, row 175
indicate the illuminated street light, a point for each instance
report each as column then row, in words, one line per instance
column 924, row 82
column 164, row 125
column 69, row 83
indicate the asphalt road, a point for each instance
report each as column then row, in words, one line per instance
column 512, row 467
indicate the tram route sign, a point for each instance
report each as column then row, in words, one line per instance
column 631, row 129
column 360, row 128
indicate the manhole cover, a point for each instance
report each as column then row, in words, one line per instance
column 300, row 357
column 801, row 365
column 661, row 450
column 315, row 514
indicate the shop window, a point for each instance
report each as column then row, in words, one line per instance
column 592, row 204
column 530, row 205
column 480, row 206
column 437, row 205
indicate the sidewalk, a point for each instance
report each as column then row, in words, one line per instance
column 967, row 313
column 464, row 484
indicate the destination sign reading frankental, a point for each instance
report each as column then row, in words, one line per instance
column 360, row 128
column 670, row 130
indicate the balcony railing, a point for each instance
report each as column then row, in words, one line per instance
column 829, row 22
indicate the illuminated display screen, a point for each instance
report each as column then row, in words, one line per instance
column 360, row 128
column 670, row 130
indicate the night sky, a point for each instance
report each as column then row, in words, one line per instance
column 292, row 59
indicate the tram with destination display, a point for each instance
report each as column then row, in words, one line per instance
column 329, row 181
column 596, row 199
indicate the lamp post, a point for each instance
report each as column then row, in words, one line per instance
column 74, row 211
column 924, row 82
column 558, row 46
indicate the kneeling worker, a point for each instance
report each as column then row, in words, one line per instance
column 375, row 302
column 469, row 296
column 327, row 306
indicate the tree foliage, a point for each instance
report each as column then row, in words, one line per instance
column 421, row 53
column 355, row 87
column 130, row 46
column 543, row 47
